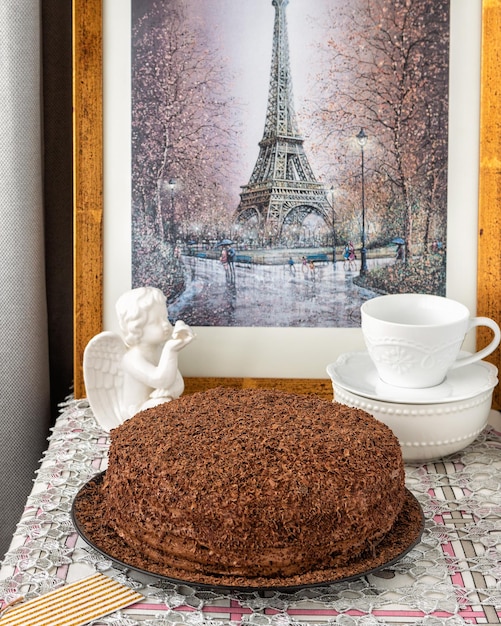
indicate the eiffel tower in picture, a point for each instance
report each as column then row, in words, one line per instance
column 282, row 190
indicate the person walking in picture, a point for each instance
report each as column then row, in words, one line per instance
column 224, row 258
column 292, row 268
column 346, row 254
column 349, row 256
column 312, row 269
column 231, row 260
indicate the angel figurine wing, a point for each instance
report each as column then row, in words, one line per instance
column 103, row 377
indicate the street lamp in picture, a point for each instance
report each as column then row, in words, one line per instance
column 362, row 140
column 172, row 187
column 330, row 195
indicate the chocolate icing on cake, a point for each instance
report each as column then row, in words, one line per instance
column 252, row 484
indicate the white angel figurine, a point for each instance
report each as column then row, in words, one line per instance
column 124, row 375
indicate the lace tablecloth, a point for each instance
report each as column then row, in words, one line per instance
column 452, row 577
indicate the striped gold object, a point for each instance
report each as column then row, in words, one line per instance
column 75, row 604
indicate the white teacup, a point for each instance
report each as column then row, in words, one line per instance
column 415, row 339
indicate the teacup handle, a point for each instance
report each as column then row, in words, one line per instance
column 481, row 321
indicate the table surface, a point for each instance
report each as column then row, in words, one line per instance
column 452, row 577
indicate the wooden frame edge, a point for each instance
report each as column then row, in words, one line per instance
column 87, row 179
column 489, row 210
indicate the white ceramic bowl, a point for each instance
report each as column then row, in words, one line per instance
column 426, row 431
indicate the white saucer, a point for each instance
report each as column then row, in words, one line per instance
column 355, row 372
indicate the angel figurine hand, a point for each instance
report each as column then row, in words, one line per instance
column 126, row 374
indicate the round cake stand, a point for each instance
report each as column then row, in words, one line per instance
column 405, row 535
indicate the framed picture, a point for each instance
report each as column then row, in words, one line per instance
column 103, row 189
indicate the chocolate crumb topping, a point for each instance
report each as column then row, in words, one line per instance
column 250, row 485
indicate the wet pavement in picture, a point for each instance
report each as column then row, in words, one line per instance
column 271, row 295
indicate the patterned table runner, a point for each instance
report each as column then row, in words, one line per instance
column 452, row 577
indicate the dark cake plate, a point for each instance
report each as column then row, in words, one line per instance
column 86, row 514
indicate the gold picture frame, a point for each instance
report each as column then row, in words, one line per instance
column 88, row 190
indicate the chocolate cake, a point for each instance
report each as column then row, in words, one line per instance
column 251, row 485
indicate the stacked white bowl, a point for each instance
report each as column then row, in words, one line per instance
column 430, row 422
column 415, row 378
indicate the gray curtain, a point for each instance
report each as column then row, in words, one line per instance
column 26, row 408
